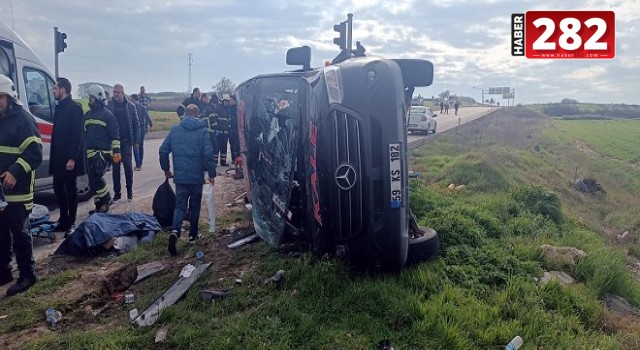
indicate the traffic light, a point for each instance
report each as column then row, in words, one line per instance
column 342, row 39
column 60, row 38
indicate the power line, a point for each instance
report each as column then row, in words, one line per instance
column 13, row 21
column 189, row 64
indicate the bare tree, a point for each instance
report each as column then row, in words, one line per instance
column 224, row 86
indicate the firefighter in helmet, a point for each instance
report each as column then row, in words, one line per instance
column 20, row 155
column 103, row 145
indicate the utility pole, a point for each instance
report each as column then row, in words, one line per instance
column 189, row 64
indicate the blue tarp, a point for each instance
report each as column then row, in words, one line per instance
column 102, row 227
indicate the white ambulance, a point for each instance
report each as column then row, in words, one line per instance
column 35, row 89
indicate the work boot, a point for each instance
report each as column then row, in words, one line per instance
column 173, row 239
column 5, row 277
column 116, row 197
column 68, row 232
column 23, row 284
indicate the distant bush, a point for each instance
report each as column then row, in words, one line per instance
column 536, row 200
column 474, row 172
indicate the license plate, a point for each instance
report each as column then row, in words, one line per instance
column 413, row 125
column 395, row 173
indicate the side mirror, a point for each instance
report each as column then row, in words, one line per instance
column 416, row 72
column 299, row 56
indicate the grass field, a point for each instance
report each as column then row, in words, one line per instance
column 479, row 293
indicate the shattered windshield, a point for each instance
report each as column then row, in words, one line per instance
column 271, row 132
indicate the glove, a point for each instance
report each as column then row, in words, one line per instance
column 117, row 157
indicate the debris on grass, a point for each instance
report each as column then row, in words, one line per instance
column 588, row 185
column 275, row 279
column 170, row 297
column 161, row 335
column 147, row 270
column 210, row 294
column 242, row 241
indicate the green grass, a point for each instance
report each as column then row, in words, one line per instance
column 479, row 293
column 610, row 138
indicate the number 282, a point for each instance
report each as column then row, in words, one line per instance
column 569, row 28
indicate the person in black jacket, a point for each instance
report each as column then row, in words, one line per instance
column 223, row 128
column 234, row 134
column 103, row 146
column 129, row 130
column 210, row 116
column 67, row 160
column 145, row 126
column 20, row 155
column 194, row 99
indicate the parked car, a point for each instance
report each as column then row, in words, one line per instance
column 35, row 89
column 325, row 158
column 422, row 119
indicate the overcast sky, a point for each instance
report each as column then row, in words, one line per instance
column 146, row 42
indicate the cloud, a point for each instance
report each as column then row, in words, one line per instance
column 147, row 42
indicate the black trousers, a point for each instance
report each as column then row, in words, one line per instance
column 64, row 186
column 126, row 150
column 222, row 149
column 97, row 167
column 14, row 227
column 234, row 142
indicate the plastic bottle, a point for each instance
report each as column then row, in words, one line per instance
column 515, row 343
column 53, row 316
column 199, row 255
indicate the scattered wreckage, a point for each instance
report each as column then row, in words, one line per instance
column 325, row 156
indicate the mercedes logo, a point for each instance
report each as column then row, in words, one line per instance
column 346, row 177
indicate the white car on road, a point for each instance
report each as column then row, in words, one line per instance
column 422, row 119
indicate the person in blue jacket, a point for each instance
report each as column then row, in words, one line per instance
column 192, row 154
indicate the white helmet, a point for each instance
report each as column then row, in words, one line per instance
column 8, row 88
column 96, row 91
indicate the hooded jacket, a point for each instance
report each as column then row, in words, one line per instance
column 191, row 151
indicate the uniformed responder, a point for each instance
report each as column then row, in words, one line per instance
column 103, row 145
column 223, row 128
column 20, row 155
column 210, row 116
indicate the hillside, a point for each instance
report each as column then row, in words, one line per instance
column 518, row 168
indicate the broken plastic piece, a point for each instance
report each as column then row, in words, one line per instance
column 161, row 335
column 133, row 314
column 243, row 241
column 275, row 279
column 187, row 270
column 170, row 297
column 209, row 295
column 147, row 270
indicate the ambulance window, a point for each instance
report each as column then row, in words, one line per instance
column 5, row 66
column 39, row 93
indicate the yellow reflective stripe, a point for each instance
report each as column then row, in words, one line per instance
column 10, row 150
column 95, row 122
column 103, row 191
column 28, row 206
column 19, row 198
column 33, row 182
column 24, row 164
column 29, row 140
column 115, row 144
column 92, row 153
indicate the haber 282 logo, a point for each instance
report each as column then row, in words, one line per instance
column 564, row 34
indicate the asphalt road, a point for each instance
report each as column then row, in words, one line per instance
column 449, row 121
